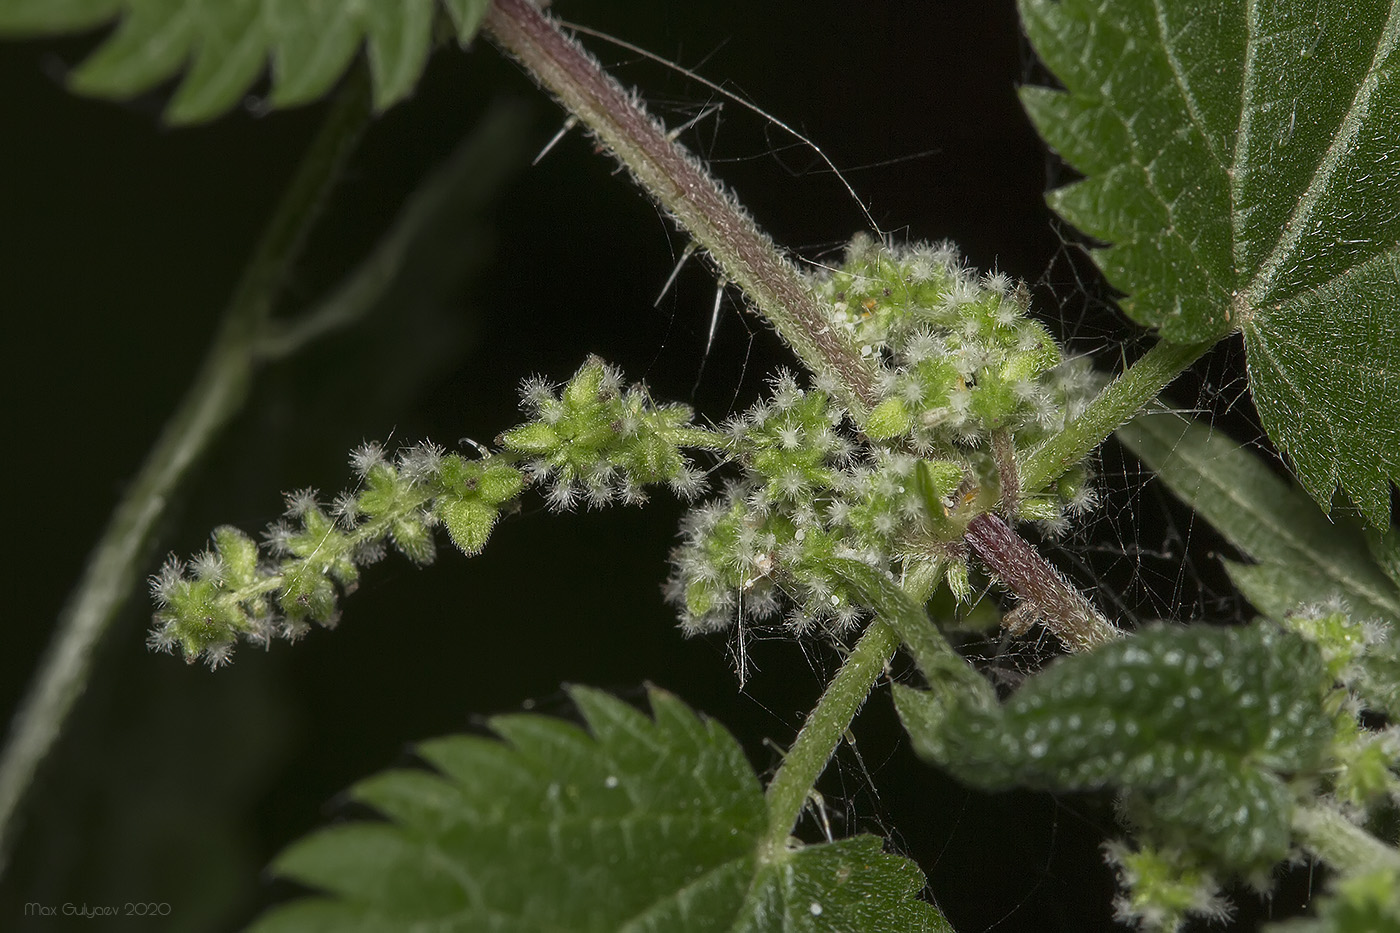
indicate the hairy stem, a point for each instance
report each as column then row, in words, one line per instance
column 1056, row 603
column 1341, row 843
column 699, row 438
column 1004, row 454
column 749, row 259
column 217, row 393
column 1116, row 405
column 904, row 612
column 900, row 618
column 826, row 724
column 683, row 187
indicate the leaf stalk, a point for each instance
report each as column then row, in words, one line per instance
column 1116, row 405
column 824, row 729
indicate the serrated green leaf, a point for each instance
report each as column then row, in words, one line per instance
column 398, row 36
column 1241, row 160
column 314, row 51
column 641, row 824
column 30, row 17
column 223, row 47
column 1237, row 818
column 815, row 890
column 1301, row 556
column 1196, row 723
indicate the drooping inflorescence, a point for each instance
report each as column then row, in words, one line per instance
column 599, row 441
column 595, row 440
column 238, row 589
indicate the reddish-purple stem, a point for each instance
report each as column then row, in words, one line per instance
column 746, row 256
column 1054, row 602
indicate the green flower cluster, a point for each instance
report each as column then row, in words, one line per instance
column 959, row 357
column 1365, row 774
column 962, row 369
column 1161, row 889
column 967, row 379
column 315, row 551
column 594, row 438
column 598, row 441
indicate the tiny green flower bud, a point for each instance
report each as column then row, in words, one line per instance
column 533, row 438
column 469, row 521
column 499, row 482
column 1039, row 509
column 458, row 474
column 198, row 621
column 1364, row 775
column 888, row 419
column 1027, row 365
column 1069, row 485
column 239, row 554
column 700, row 598
column 307, row 595
column 1341, row 640
column 384, row 487
column 413, row 539
column 1162, row 889
column 958, row 583
column 582, row 390
column 994, row 402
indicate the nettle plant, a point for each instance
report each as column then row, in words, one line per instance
column 1242, row 161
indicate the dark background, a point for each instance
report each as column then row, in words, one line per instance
column 121, row 242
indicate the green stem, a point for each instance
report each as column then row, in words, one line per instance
column 826, row 724
column 699, row 438
column 216, row 394
column 904, row 612
column 900, row 619
column 683, row 187
column 1341, row 843
column 1119, row 401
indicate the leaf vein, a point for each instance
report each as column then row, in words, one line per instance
column 1193, row 106
column 1352, row 121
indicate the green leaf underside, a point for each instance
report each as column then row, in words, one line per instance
column 223, row 47
column 647, row 824
column 1196, row 724
column 1302, row 558
column 1243, row 159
